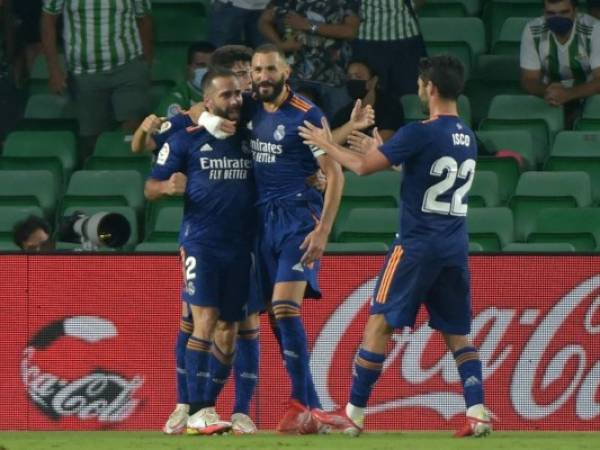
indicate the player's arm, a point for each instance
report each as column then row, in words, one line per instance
column 167, row 177
column 361, row 117
column 315, row 242
column 142, row 140
column 368, row 160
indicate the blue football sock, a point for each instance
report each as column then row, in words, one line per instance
column 246, row 369
column 196, row 362
column 313, row 397
column 219, row 369
column 185, row 330
column 295, row 351
column 367, row 368
column 469, row 368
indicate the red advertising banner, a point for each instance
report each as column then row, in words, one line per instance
column 88, row 344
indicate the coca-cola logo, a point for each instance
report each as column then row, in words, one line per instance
column 546, row 355
column 94, row 392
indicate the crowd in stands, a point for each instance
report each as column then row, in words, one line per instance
column 102, row 56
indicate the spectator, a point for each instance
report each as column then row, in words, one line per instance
column 22, row 31
column 317, row 36
column 184, row 95
column 363, row 84
column 107, row 76
column 235, row 22
column 390, row 40
column 238, row 59
column 560, row 56
column 32, row 234
column 593, row 7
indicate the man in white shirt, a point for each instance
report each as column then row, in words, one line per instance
column 236, row 22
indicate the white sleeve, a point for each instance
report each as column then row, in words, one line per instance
column 595, row 47
column 530, row 59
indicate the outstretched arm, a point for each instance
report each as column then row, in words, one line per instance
column 368, row 160
column 361, row 117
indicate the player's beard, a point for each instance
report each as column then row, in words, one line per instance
column 276, row 89
column 231, row 113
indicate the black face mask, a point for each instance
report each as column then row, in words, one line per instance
column 356, row 88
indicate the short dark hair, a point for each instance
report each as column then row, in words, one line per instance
column 270, row 48
column 213, row 73
column 446, row 72
column 573, row 2
column 365, row 63
column 25, row 228
column 228, row 55
column 199, row 47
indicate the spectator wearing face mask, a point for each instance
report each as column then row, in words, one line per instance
column 188, row 93
column 363, row 83
column 560, row 55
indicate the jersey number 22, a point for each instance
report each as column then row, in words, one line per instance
column 450, row 167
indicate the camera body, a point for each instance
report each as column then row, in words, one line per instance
column 103, row 229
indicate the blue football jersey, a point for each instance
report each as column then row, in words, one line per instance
column 282, row 162
column 170, row 127
column 220, row 193
column 438, row 158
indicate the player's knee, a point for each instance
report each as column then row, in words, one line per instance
column 225, row 335
column 377, row 333
column 455, row 342
column 251, row 322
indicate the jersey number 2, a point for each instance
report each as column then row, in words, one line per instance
column 455, row 207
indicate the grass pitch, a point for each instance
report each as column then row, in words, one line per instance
column 267, row 441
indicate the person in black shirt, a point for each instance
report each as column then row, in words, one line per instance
column 362, row 83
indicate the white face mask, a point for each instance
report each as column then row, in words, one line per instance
column 198, row 75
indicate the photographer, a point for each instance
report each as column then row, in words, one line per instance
column 32, row 234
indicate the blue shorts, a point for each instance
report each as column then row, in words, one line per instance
column 417, row 274
column 217, row 279
column 282, row 229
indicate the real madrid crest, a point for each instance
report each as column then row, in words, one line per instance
column 279, row 133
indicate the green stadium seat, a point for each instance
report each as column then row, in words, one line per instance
column 26, row 188
column 493, row 75
column 167, row 225
column 475, row 247
column 484, row 190
column 10, row 215
column 509, row 40
column 158, row 91
column 491, row 228
column 157, row 247
column 495, row 13
column 169, row 62
column 141, row 165
column 179, row 22
column 464, row 37
column 45, row 150
column 577, row 151
column 356, row 247
column 38, row 78
column 518, row 141
column 380, row 190
column 579, row 227
column 413, row 110
column 369, row 225
column 506, row 169
column 590, row 118
column 9, row 246
column 105, row 188
column 114, row 144
column 49, row 112
column 539, row 190
column 153, row 209
column 526, row 112
column 442, row 8
column 126, row 211
column 541, row 247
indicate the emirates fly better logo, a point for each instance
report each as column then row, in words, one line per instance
column 95, row 393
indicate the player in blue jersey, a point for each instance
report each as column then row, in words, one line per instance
column 294, row 219
column 428, row 263
column 216, row 238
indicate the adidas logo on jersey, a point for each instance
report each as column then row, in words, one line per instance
column 206, row 148
column 249, row 126
column 298, row 268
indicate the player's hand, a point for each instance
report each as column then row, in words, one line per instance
column 362, row 143
column 362, row 116
column 313, row 135
column 176, row 184
column 152, row 123
column 314, row 246
column 296, row 21
column 57, row 81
